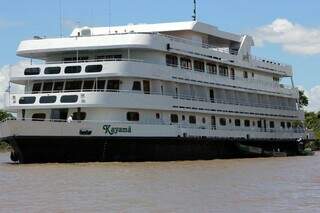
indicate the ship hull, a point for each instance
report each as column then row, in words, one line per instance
column 43, row 149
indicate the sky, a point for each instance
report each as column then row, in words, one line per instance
column 285, row 30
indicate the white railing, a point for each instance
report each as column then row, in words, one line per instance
column 161, row 122
column 181, row 97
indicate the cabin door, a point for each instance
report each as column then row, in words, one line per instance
column 213, row 122
column 59, row 114
column 212, row 95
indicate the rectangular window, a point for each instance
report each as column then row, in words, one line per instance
column 245, row 74
column 58, row 87
column 289, row 125
column 172, row 60
column 223, row 121
column 69, row 99
column 32, row 71
column 113, row 85
column 133, row 116
column 52, row 70
column 38, row 117
column 237, row 122
column 136, row 86
column 47, row 87
column 192, row 119
column 88, row 86
column 283, row 125
column 212, row 68
column 174, row 118
column 247, row 123
column 73, row 86
column 93, row 68
column 101, row 85
column 186, row 63
column 36, row 87
column 271, row 124
column 223, row 70
column 47, row 99
column 72, row 69
column 259, row 124
column 198, row 66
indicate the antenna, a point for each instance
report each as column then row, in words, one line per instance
column 109, row 15
column 194, row 17
column 61, row 18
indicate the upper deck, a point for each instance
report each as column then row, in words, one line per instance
column 188, row 38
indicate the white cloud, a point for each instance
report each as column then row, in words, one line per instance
column 293, row 38
column 70, row 24
column 4, row 81
column 314, row 98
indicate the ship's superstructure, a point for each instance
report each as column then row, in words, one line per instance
column 172, row 84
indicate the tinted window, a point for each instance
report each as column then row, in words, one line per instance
column 101, row 85
column 88, row 85
column 136, row 86
column 223, row 121
column 27, row 100
column 36, row 87
column 73, row 86
column 58, row 86
column 172, row 60
column 133, row 116
column 32, row 71
column 39, row 117
column 52, row 70
column 192, row 119
column 237, row 122
column 199, row 66
column 174, row 118
column 272, row 124
column 94, row 68
column 113, row 85
column 69, row 99
column 76, row 116
column 47, row 99
column 47, row 87
column 72, row 69
column 247, row 123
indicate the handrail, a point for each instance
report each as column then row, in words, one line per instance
column 250, row 80
column 181, row 97
column 178, row 125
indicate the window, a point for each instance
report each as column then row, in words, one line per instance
column 27, row 100
column 81, row 115
column 183, row 117
column 289, row 125
column 157, row 115
column 88, row 86
column 69, row 99
column 245, row 74
column 72, row 86
column 223, row 121
column 47, row 87
column 237, row 122
column 58, row 87
column 72, row 69
column 38, row 117
column 101, row 85
column 223, row 70
column 174, row 118
column 132, row 116
column 113, row 85
column 52, row 70
column 32, row 71
column 212, row 68
column 186, row 63
column 198, row 66
column 136, row 86
column 47, row 99
column 203, row 120
column 252, row 75
column 247, row 123
column 172, row 60
column 36, row 87
column 271, row 124
column 283, row 125
column 259, row 124
column 276, row 79
column 192, row 119
column 93, row 68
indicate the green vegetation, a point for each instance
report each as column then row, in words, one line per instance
column 4, row 147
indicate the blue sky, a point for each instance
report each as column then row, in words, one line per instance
column 22, row 19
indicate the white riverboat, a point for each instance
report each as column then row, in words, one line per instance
column 183, row 90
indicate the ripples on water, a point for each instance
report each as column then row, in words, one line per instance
column 245, row 185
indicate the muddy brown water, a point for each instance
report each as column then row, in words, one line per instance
column 241, row 185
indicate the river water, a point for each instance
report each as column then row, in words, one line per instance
column 242, row 185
